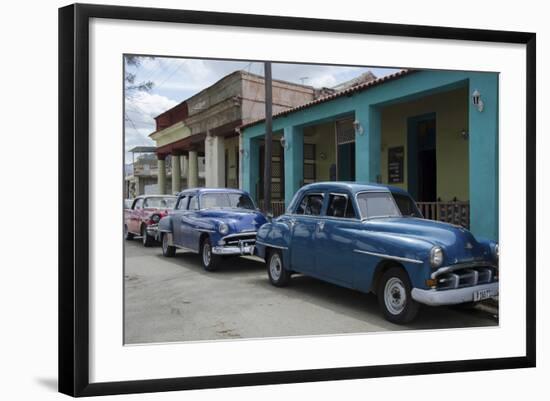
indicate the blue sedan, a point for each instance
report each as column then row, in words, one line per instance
column 372, row 238
column 213, row 222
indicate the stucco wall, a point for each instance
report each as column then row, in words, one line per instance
column 171, row 134
column 323, row 137
column 451, row 113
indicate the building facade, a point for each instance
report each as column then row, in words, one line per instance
column 432, row 133
column 201, row 132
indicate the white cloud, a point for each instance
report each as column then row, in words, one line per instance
column 140, row 110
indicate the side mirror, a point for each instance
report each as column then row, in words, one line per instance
column 269, row 216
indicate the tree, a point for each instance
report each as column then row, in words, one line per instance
column 130, row 84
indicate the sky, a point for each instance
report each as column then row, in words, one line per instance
column 177, row 79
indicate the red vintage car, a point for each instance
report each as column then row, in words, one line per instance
column 142, row 218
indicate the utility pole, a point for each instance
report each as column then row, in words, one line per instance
column 268, row 137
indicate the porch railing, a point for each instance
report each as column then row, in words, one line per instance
column 277, row 207
column 456, row 212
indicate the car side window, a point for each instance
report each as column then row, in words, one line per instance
column 311, row 205
column 340, row 205
column 138, row 204
column 182, row 203
column 193, row 202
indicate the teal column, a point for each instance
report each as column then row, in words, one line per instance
column 294, row 161
column 483, row 137
column 250, row 166
column 368, row 144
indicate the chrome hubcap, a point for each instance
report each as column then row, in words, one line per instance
column 275, row 267
column 206, row 254
column 395, row 296
column 144, row 234
column 165, row 243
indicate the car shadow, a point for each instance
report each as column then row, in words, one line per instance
column 228, row 267
column 362, row 306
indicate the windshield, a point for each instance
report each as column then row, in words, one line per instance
column 226, row 200
column 161, row 203
column 377, row 204
column 406, row 205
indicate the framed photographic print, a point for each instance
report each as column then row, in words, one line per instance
column 251, row 199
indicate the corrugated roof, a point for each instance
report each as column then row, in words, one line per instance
column 143, row 149
column 345, row 92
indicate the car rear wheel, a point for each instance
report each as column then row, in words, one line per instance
column 210, row 262
column 167, row 250
column 278, row 275
column 127, row 234
column 146, row 238
column 394, row 296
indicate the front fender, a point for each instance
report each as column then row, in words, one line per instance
column 374, row 248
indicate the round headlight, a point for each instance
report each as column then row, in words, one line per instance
column 436, row 256
column 223, row 228
column 155, row 218
column 496, row 251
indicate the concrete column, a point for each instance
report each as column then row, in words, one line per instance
column 176, row 174
column 483, row 142
column 214, row 151
column 250, row 166
column 368, row 145
column 193, row 170
column 294, row 161
column 161, row 180
column 184, row 165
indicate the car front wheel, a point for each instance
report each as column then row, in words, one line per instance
column 167, row 250
column 278, row 275
column 210, row 261
column 394, row 296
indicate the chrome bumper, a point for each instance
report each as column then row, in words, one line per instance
column 454, row 296
column 233, row 250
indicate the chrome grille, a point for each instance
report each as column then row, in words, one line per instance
column 237, row 239
column 466, row 277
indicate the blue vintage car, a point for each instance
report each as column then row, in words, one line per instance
column 372, row 238
column 213, row 222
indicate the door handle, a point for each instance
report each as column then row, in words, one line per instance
column 320, row 226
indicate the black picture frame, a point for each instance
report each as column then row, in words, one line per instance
column 74, row 203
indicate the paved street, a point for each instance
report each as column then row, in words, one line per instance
column 174, row 299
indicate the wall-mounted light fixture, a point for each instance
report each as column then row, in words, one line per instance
column 476, row 100
column 244, row 152
column 464, row 134
column 323, row 155
column 284, row 143
column 358, row 128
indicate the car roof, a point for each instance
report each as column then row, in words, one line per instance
column 207, row 190
column 155, row 196
column 353, row 187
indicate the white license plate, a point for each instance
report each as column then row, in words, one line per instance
column 482, row 294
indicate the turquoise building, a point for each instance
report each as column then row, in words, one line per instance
column 432, row 133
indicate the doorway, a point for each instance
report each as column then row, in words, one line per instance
column 345, row 150
column 422, row 160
